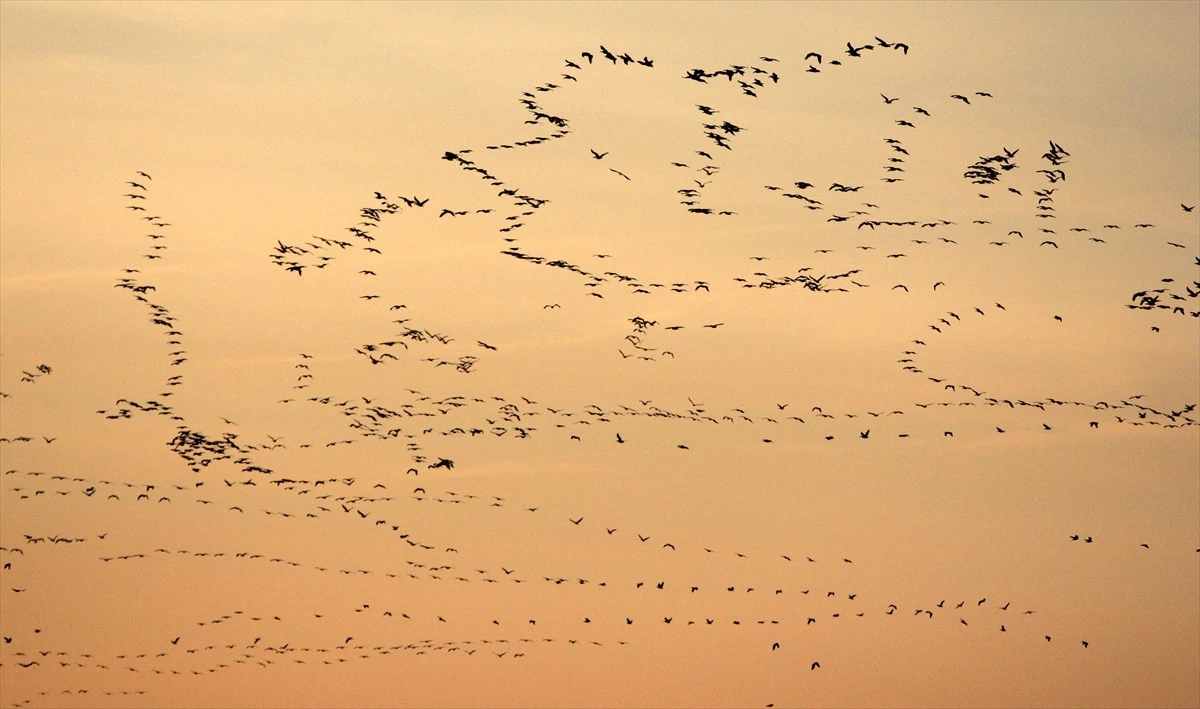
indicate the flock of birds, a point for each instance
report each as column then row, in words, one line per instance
column 238, row 474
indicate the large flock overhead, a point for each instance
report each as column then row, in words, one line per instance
column 435, row 412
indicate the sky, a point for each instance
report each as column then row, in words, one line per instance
column 599, row 354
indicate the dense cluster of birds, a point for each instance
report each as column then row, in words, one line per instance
column 237, row 472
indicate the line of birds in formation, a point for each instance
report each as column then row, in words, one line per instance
column 982, row 172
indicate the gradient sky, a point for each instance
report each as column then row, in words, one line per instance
column 947, row 437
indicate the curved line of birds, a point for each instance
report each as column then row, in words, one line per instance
column 172, row 649
column 891, row 608
column 188, row 441
column 360, row 505
column 237, row 615
column 199, row 450
column 159, row 315
column 516, row 418
column 577, row 522
column 366, row 510
column 982, row 172
column 261, row 655
column 640, row 349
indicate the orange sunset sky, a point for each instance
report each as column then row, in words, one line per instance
column 599, row 354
